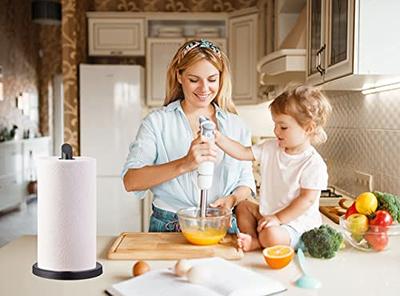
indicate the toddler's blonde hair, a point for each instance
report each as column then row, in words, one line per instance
column 308, row 106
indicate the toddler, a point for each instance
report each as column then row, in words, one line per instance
column 292, row 171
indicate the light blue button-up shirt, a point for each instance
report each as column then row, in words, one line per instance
column 165, row 135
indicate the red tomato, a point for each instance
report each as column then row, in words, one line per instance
column 350, row 211
column 377, row 240
column 382, row 218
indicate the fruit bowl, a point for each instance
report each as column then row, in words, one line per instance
column 362, row 236
column 204, row 231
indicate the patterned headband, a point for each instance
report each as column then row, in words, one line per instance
column 201, row 43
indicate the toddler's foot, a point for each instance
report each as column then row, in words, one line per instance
column 247, row 243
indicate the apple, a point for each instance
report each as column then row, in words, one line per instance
column 381, row 219
column 357, row 223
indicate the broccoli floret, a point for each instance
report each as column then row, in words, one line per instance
column 322, row 242
column 390, row 203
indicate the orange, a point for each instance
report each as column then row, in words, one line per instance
column 278, row 256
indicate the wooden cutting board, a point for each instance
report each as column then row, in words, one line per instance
column 332, row 212
column 169, row 246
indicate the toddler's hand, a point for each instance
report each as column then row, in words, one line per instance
column 268, row 221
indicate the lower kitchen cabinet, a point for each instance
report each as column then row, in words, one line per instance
column 11, row 181
column 18, row 168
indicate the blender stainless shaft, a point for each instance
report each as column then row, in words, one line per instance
column 203, row 202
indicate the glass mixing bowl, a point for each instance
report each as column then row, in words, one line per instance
column 368, row 238
column 204, row 231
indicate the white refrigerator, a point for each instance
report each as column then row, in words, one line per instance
column 111, row 108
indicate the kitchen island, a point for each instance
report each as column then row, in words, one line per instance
column 351, row 272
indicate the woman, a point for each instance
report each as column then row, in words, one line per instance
column 167, row 149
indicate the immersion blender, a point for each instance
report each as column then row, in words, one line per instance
column 206, row 168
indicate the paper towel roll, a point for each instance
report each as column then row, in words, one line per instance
column 66, row 213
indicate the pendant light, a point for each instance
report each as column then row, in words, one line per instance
column 47, row 12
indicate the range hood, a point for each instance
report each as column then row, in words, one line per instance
column 282, row 66
column 288, row 62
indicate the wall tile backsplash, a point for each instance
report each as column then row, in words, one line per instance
column 363, row 135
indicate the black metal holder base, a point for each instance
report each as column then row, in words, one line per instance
column 68, row 275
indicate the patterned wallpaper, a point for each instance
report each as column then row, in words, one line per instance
column 74, row 52
column 364, row 135
column 49, row 65
column 173, row 5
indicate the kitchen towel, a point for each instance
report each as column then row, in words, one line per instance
column 66, row 213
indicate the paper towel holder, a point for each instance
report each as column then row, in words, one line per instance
column 68, row 275
column 67, row 153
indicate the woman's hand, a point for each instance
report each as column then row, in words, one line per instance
column 227, row 202
column 268, row 221
column 200, row 150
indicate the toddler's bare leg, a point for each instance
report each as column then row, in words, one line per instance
column 274, row 235
column 247, row 218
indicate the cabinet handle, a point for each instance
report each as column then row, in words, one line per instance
column 319, row 67
column 116, row 52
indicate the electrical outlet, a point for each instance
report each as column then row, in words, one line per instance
column 364, row 180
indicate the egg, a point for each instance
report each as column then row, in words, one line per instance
column 198, row 274
column 139, row 268
column 182, row 266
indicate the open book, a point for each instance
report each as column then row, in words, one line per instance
column 224, row 278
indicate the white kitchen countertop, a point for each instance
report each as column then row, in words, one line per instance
column 351, row 272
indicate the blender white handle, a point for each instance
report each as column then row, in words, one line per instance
column 206, row 168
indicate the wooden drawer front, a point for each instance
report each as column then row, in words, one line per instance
column 117, row 37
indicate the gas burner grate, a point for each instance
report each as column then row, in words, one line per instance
column 330, row 192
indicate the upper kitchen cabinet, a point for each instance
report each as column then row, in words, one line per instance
column 159, row 52
column 116, row 35
column 157, row 36
column 350, row 44
column 243, row 54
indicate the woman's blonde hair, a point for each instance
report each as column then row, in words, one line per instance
column 308, row 106
column 190, row 53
